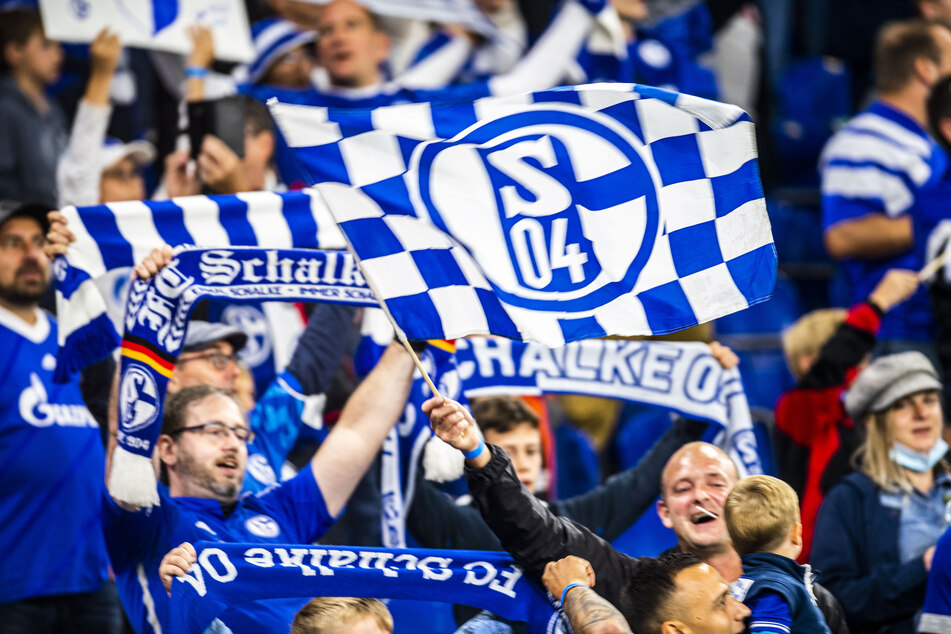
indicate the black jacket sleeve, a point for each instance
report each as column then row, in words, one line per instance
column 320, row 347
column 435, row 521
column 534, row 536
column 831, row 610
column 846, row 349
column 95, row 385
column 940, row 292
column 613, row 507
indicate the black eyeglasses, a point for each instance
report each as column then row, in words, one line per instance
column 219, row 432
column 219, row 360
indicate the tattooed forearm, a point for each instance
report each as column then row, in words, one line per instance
column 590, row 614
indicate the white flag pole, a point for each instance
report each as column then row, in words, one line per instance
column 932, row 267
column 399, row 331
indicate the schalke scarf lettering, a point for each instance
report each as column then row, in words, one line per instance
column 683, row 377
column 156, row 322
column 112, row 238
column 231, row 574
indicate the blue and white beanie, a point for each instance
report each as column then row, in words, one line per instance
column 272, row 37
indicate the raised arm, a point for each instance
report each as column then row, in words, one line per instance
column 545, row 64
column 78, row 172
column 370, row 413
column 528, row 530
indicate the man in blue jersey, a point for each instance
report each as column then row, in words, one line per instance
column 203, row 451
column 55, row 572
column 209, row 357
column 874, row 169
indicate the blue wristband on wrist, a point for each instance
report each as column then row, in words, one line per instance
column 573, row 584
column 196, row 72
column 475, row 453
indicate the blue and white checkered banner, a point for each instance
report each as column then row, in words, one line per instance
column 681, row 377
column 551, row 217
column 112, row 238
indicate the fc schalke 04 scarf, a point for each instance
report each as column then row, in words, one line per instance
column 156, row 321
column 232, row 576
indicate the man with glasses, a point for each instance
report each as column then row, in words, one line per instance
column 210, row 357
column 203, row 451
column 55, row 573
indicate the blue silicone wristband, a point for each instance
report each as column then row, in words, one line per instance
column 573, row 584
column 475, row 453
column 196, row 72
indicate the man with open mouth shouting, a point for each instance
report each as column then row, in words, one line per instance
column 694, row 485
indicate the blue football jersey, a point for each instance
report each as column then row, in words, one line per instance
column 293, row 512
column 52, row 468
column 879, row 163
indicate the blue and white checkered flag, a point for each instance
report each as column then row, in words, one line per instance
column 555, row 216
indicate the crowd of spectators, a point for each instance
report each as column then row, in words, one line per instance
column 853, row 113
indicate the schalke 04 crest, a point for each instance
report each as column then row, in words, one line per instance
column 576, row 207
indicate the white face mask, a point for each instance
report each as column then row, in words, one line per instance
column 918, row 461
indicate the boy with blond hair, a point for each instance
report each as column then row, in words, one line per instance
column 762, row 516
column 825, row 350
column 339, row 615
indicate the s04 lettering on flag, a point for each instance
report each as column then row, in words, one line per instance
column 556, row 216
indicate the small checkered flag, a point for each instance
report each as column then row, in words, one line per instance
column 556, row 216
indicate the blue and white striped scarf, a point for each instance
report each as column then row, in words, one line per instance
column 112, row 238
column 156, row 322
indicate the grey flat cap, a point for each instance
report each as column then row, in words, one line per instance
column 888, row 379
column 202, row 334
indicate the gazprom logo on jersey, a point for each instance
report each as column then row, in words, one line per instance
column 577, row 213
column 138, row 399
column 36, row 409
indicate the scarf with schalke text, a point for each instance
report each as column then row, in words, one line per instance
column 227, row 578
column 156, row 321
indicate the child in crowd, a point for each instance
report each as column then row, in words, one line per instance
column 825, row 351
column 762, row 515
column 336, row 615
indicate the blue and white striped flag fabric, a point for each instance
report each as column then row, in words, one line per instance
column 555, row 216
column 112, row 238
column 462, row 12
